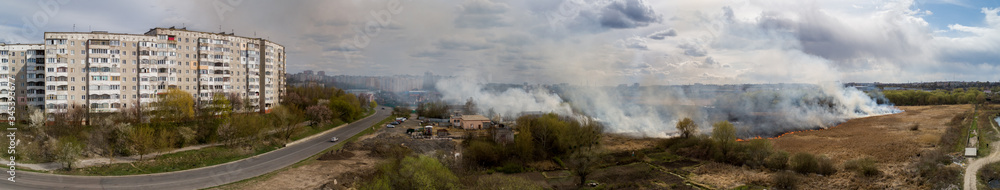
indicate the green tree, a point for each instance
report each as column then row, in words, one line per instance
column 220, row 106
column 174, row 105
column 724, row 134
column 143, row 140
column 243, row 129
column 687, row 127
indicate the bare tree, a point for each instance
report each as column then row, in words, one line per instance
column 37, row 119
column 583, row 162
column 470, row 107
column 236, row 102
column 68, row 152
column 319, row 113
column 285, row 121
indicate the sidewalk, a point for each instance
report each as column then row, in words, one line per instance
column 102, row 161
column 87, row 162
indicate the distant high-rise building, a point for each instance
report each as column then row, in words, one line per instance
column 321, row 73
column 308, row 72
column 430, row 82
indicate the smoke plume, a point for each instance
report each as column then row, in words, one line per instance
column 756, row 110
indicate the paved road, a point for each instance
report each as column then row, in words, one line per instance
column 200, row 177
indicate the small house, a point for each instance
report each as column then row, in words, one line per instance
column 473, row 121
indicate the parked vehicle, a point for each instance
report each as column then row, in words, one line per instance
column 390, row 126
column 395, row 123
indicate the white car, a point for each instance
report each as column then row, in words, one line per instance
column 390, row 126
column 334, row 139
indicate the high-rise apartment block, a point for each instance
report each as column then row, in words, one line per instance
column 109, row 72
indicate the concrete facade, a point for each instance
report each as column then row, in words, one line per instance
column 110, row 72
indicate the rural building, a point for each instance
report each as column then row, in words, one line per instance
column 473, row 121
column 970, row 152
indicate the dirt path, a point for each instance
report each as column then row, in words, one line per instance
column 974, row 166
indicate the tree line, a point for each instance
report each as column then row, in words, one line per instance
column 936, row 97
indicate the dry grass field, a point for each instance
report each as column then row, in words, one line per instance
column 889, row 139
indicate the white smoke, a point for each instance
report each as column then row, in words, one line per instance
column 756, row 110
column 510, row 102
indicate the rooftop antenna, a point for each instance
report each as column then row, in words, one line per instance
column 74, row 27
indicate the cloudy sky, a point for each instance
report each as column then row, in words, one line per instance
column 603, row 42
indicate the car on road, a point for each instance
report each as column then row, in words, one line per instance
column 390, row 126
column 334, row 139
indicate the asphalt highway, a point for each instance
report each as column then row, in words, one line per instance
column 200, row 177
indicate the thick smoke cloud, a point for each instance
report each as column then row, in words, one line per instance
column 756, row 110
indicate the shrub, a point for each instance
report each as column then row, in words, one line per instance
column 511, row 168
column 932, row 169
column 825, row 166
column 505, row 182
column 804, row 163
column 785, row 180
column 386, row 150
column 757, row 152
column 483, row 153
column 421, row 172
column 777, row 160
column 863, row 166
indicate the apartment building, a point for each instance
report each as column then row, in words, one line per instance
column 110, row 72
column 22, row 65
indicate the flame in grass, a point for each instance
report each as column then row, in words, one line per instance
column 782, row 134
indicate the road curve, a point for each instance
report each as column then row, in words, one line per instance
column 200, row 177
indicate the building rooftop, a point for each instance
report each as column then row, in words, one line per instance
column 970, row 152
column 474, row 117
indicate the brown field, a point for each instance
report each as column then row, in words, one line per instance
column 888, row 139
